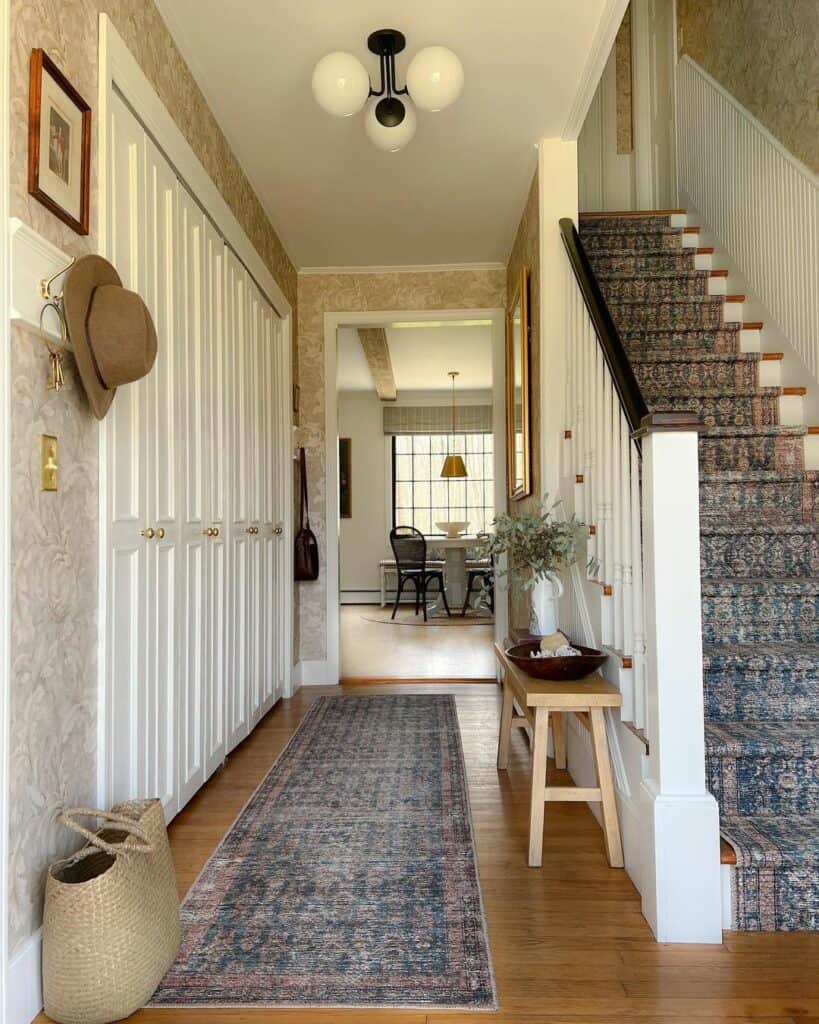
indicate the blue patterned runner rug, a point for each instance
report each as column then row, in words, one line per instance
column 350, row 878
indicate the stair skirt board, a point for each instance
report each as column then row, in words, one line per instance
column 759, row 553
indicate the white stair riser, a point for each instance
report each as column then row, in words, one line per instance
column 791, row 410
column 812, row 451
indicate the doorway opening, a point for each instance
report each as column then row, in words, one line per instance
column 413, row 596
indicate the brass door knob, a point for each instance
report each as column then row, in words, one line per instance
column 148, row 533
column 255, row 529
column 214, row 531
column 278, row 530
column 160, row 533
column 208, row 532
column 249, row 529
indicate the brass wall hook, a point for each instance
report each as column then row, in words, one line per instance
column 55, row 357
column 46, row 283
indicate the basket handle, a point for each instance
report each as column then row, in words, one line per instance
column 127, row 824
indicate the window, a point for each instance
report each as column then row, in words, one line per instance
column 420, row 498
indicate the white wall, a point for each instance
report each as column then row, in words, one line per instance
column 644, row 179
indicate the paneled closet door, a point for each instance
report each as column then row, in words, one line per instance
column 192, row 395
column 268, row 538
column 255, row 632
column 216, row 514
column 125, row 452
column 238, row 537
column 165, row 422
column 282, row 468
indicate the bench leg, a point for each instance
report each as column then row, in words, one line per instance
column 383, row 586
column 611, row 826
column 537, row 794
column 505, row 734
column 559, row 737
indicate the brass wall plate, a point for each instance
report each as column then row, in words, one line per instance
column 48, row 462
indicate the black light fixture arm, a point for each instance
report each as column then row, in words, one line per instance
column 386, row 43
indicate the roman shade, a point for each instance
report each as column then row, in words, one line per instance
column 437, row 419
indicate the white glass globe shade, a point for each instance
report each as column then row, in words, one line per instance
column 340, row 84
column 435, row 78
column 390, row 139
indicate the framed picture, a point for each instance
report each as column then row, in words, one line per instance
column 345, row 450
column 59, row 143
column 518, row 396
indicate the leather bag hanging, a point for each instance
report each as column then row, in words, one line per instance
column 305, row 555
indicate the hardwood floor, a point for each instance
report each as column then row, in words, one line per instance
column 569, row 943
column 374, row 647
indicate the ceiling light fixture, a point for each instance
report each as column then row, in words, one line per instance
column 453, row 468
column 341, row 86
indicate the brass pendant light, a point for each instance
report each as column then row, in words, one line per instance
column 454, row 467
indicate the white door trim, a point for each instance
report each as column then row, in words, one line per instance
column 5, row 512
column 330, row 671
column 120, row 73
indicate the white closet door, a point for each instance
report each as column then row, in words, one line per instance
column 216, row 515
column 256, row 632
column 158, row 741
column 192, row 623
column 268, row 539
column 125, row 455
column 238, row 539
column 282, row 512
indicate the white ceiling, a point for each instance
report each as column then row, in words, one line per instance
column 455, row 194
column 421, row 358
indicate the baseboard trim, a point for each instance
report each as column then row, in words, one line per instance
column 312, row 673
column 24, row 998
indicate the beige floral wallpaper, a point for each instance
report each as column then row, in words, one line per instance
column 526, row 253
column 319, row 294
column 766, row 54
column 54, row 541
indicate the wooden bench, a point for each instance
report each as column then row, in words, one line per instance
column 539, row 703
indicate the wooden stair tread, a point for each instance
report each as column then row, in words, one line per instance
column 705, row 250
column 734, row 298
column 727, row 854
column 813, row 430
column 630, row 213
column 691, row 231
column 753, row 325
column 718, row 273
column 768, row 357
column 794, row 391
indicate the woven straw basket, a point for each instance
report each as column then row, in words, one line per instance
column 111, row 922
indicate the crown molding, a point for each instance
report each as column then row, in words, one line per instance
column 420, row 268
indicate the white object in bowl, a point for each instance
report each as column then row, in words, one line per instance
column 453, row 529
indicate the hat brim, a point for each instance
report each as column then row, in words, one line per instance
column 84, row 276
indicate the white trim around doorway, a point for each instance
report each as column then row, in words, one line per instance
column 329, row 671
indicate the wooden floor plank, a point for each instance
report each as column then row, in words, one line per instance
column 569, row 943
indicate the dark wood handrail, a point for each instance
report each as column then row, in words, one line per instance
column 640, row 419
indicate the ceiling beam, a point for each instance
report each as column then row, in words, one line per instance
column 374, row 342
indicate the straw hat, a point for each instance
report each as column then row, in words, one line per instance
column 110, row 328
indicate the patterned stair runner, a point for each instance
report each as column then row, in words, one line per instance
column 759, row 523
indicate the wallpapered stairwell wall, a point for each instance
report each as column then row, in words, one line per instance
column 54, row 535
column 766, row 55
column 526, row 253
column 323, row 293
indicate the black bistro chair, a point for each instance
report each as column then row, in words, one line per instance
column 481, row 576
column 410, row 549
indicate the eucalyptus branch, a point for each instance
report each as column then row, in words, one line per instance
column 537, row 545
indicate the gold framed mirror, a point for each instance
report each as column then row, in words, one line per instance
column 518, row 395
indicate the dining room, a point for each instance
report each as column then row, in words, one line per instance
column 419, row 450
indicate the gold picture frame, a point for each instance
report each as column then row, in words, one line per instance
column 518, row 393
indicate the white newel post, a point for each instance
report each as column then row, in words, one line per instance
column 682, row 902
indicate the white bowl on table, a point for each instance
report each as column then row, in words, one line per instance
column 454, row 528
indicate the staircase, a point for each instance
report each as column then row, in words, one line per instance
column 759, row 521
